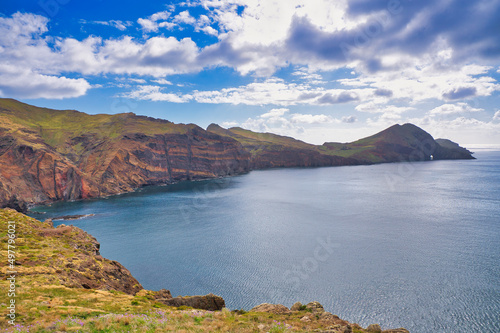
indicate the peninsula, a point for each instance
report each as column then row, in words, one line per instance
column 52, row 155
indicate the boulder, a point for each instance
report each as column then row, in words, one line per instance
column 271, row 308
column 296, row 306
column 374, row 328
column 209, row 302
column 315, row 307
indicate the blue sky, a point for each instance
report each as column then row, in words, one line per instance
column 317, row 70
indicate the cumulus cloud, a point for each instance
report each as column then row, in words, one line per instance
column 460, row 93
column 311, row 119
column 314, row 128
column 163, row 81
column 453, row 109
column 419, row 80
column 153, row 22
column 271, row 91
column 27, row 84
column 309, row 77
column 373, row 107
column 349, row 119
column 409, row 51
column 342, row 97
column 274, row 113
column 464, row 130
column 153, row 93
column 496, row 116
column 138, row 80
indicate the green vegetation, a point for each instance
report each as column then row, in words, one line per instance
column 56, row 126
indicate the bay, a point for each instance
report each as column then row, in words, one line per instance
column 414, row 245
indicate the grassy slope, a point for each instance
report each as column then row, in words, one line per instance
column 44, row 304
column 366, row 149
column 55, row 127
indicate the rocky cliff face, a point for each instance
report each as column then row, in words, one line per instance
column 48, row 155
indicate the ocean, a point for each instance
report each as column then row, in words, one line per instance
column 414, row 245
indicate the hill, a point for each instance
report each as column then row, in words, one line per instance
column 51, row 155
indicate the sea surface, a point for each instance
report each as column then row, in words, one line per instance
column 414, row 245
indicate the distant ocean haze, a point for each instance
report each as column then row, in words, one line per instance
column 412, row 245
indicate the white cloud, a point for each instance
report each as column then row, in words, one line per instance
column 278, row 92
column 184, row 18
column 120, row 25
column 309, row 77
column 349, row 119
column 458, row 108
column 274, row 113
column 418, row 80
column 311, row 119
column 463, row 130
column 496, row 116
column 266, row 36
column 372, row 107
column 309, row 127
column 138, row 80
column 148, row 25
column 163, row 81
column 27, row 84
column 151, row 23
column 229, row 124
column 153, row 93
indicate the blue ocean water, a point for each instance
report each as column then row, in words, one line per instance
column 414, row 245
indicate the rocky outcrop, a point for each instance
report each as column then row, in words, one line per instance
column 271, row 308
column 68, row 254
column 209, row 302
column 314, row 312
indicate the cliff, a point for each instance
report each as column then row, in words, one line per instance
column 49, row 155
column 61, row 283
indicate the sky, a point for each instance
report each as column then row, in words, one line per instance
column 316, row 70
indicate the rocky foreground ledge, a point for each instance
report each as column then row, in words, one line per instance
column 58, row 281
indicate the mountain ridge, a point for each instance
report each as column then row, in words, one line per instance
column 52, row 155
